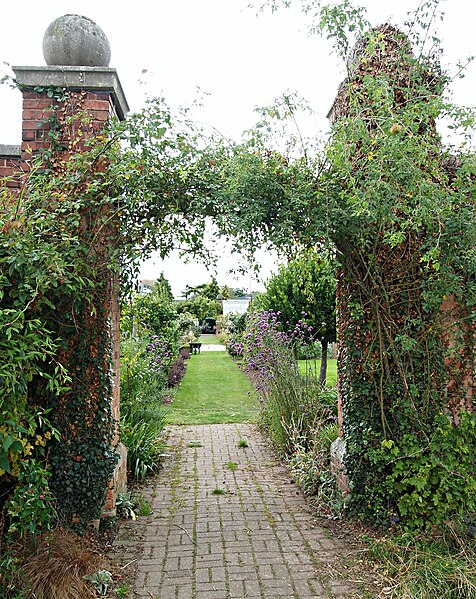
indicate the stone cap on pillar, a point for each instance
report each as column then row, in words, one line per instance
column 8, row 151
column 75, row 78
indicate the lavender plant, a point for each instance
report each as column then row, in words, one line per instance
column 286, row 397
column 161, row 352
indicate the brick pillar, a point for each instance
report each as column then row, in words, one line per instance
column 338, row 446
column 460, row 361
column 97, row 92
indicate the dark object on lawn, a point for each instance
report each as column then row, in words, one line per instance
column 195, row 347
column 209, row 325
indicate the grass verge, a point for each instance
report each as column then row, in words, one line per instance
column 312, row 367
column 425, row 568
column 209, row 340
column 213, row 391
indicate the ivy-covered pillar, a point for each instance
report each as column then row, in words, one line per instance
column 66, row 105
column 406, row 291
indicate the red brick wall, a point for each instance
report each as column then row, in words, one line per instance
column 38, row 108
column 10, row 174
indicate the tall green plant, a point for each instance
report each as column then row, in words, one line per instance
column 142, row 416
column 142, row 383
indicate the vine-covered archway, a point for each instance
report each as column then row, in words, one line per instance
column 385, row 196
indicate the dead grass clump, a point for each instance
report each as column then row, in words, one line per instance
column 55, row 570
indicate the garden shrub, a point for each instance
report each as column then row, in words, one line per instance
column 309, row 459
column 162, row 352
column 434, row 477
column 151, row 363
column 151, row 315
column 235, row 346
column 28, row 344
column 142, row 378
column 31, row 507
column 145, row 442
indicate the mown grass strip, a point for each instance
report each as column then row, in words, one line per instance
column 209, row 340
column 312, row 367
column 213, row 391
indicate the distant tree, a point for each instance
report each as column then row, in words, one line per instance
column 304, row 291
column 201, row 300
column 189, row 292
column 209, row 290
column 162, row 289
column 212, row 289
column 226, row 293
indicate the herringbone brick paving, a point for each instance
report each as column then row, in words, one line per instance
column 221, row 533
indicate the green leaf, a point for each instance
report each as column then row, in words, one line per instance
column 4, row 463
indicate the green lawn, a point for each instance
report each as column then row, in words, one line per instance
column 213, row 390
column 311, row 368
column 209, row 340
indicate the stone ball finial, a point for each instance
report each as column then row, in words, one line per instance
column 74, row 40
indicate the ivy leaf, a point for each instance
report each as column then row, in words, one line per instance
column 4, row 463
column 7, row 442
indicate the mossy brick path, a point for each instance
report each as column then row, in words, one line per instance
column 257, row 540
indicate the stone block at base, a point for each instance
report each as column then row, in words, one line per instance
column 337, row 465
column 118, row 483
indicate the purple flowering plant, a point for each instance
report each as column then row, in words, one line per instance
column 270, row 360
column 161, row 353
column 269, row 349
column 235, row 347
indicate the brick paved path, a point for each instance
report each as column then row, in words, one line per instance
column 221, row 532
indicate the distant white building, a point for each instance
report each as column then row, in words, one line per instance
column 144, row 289
column 236, row 306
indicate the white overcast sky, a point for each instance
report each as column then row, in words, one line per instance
column 173, row 46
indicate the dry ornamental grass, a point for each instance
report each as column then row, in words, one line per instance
column 57, row 568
